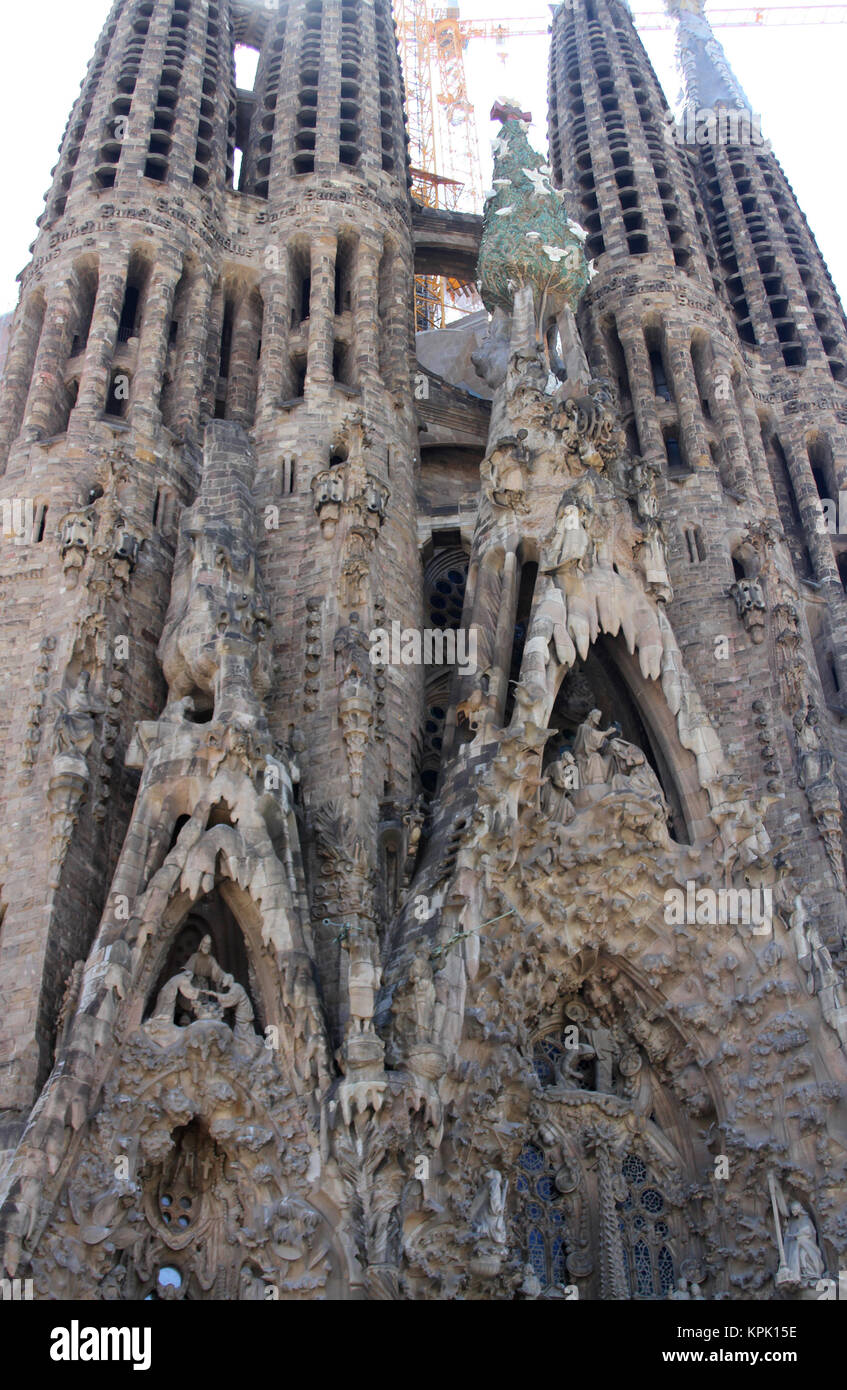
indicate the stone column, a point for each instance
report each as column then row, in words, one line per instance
column 244, row 355
column 136, row 144
column 274, row 368
column 728, row 423
column 184, row 133
column 686, row 396
column 19, row 369
column 211, row 369
column 153, row 345
column 45, row 396
column 643, row 398
column 191, row 367
column 102, row 337
column 752, row 431
column 321, row 313
column 811, row 513
column 365, row 312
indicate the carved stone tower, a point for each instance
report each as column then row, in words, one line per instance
column 422, row 833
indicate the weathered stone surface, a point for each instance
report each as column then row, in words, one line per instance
column 422, row 836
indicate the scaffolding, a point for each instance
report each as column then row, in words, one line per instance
column 443, row 141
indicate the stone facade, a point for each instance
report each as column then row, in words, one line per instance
column 422, row 854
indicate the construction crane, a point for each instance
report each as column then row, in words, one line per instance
column 443, row 140
column 757, row 16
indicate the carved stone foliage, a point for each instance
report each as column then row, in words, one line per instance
column 178, row 1190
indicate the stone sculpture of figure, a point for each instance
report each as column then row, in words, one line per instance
column 204, row 991
column 236, row 998
column 363, row 980
column 376, row 500
column 822, row 980
column 77, row 538
column 602, row 1041
column 680, row 1294
column 204, row 969
column 815, row 761
column 414, row 1004
column 803, row 1256
column 488, row 1212
column 654, row 562
column 569, row 543
column 589, row 747
column 562, row 779
column 530, row 1285
column 632, row 772
column 352, row 653
column 750, row 606
column 571, row 1071
column 491, row 356
column 74, row 732
column 251, row 1287
column 179, row 988
column 799, row 921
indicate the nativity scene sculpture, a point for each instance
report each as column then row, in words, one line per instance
column 201, row 992
column 601, row 764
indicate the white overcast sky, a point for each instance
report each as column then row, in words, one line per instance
column 793, row 76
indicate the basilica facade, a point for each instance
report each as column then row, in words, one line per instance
column 422, row 839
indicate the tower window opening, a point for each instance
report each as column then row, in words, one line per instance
column 226, row 337
column 301, row 284
column 298, row 370
column 118, row 396
column 657, row 365
column 342, row 359
column 129, row 313
column 820, row 459
column 617, row 361
column 343, row 276
column 676, row 464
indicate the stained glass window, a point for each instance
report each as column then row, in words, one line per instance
column 542, row 1213
column 643, row 1268
column 648, row 1256
column 547, row 1056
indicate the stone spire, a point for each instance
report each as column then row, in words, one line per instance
column 707, row 78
